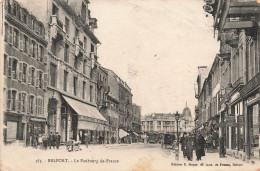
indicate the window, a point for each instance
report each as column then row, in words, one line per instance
column 84, row 66
column 67, row 25
column 21, row 102
column 53, row 70
column 65, row 79
column 15, row 9
column 90, row 93
column 75, row 85
column 31, row 104
column 14, row 63
column 11, row 97
column 40, row 79
column 24, row 75
column 41, row 53
column 26, row 44
column 34, row 49
column 76, row 32
column 83, row 89
column 32, row 76
column 66, row 53
column 55, row 10
column 39, row 106
column 83, row 12
column 92, row 48
column 5, row 65
column 24, row 17
column 6, row 32
column 16, row 38
column 76, row 62
column 85, row 43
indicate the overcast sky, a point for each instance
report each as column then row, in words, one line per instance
column 156, row 47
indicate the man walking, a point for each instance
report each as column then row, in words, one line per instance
column 222, row 151
column 183, row 144
column 86, row 139
column 57, row 140
column 50, row 140
column 200, row 144
column 190, row 147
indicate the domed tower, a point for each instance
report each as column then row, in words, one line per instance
column 186, row 113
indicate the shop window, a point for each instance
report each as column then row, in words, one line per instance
column 11, row 100
column 16, row 38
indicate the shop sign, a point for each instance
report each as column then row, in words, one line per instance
column 252, row 84
column 230, row 121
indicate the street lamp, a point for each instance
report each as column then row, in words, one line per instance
column 177, row 117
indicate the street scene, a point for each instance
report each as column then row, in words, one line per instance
column 130, row 85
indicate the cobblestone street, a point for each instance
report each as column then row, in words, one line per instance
column 113, row 157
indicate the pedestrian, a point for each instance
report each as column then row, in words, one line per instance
column 210, row 141
column 183, row 144
column 200, row 145
column 86, row 139
column 50, row 140
column 45, row 142
column 57, row 140
column 222, row 151
column 40, row 141
column 189, row 147
column 53, row 143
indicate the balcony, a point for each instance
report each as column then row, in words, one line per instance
column 100, row 84
column 79, row 50
column 57, row 27
column 106, row 89
column 94, row 58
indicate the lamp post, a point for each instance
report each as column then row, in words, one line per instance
column 177, row 116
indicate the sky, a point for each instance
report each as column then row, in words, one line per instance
column 156, row 46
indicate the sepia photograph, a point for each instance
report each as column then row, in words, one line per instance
column 130, row 85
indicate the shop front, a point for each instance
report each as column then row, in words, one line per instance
column 84, row 120
column 251, row 97
column 14, row 127
column 35, row 129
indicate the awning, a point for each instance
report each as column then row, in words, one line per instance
column 122, row 133
column 112, row 113
column 84, row 109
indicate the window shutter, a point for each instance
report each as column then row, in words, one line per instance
column 20, row 71
column 27, row 74
column 19, row 102
column 37, row 52
column 28, row 104
column 29, row 77
column 8, row 103
column 21, row 42
column 30, row 52
column 45, row 59
column 10, row 35
column 45, row 81
column 9, row 66
column 37, row 78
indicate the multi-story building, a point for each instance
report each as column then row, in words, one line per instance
column 72, row 56
column 160, row 123
column 136, row 121
column 237, row 23
column 125, row 106
column 25, row 74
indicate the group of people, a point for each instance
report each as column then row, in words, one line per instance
column 53, row 140
column 190, row 142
